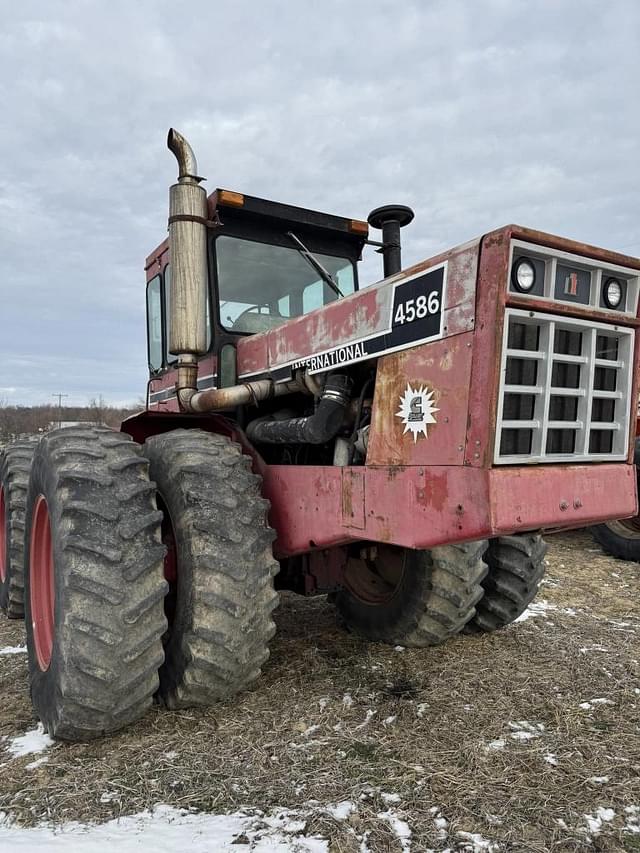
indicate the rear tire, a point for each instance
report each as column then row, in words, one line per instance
column 429, row 596
column 15, row 465
column 223, row 596
column 94, row 585
column 620, row 539
column 516, row 567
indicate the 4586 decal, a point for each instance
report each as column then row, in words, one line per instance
column 417, row 309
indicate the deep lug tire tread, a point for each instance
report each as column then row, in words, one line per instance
column 436, row 598
column 516, row 568
column 614, row 543
column 110, row 587
column 15, row 465
column 226, row 598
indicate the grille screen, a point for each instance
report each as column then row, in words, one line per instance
column 565, row 388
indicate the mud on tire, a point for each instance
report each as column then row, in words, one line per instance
column 15, row 465
column 215, row 514
column 516, row 567
column 434, row 595
column 104, row 565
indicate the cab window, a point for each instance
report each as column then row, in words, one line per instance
column 154, row 324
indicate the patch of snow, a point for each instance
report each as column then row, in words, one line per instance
column 109, row 796
column 398, row 648
column 588, row 706
column 367, row 719
column 601, row 816
column 169, row 830
column 170, row 755
column 347, row 700
column 595, row 648
column 35, row 764
column 422, row 709
column 311, row 730
column 341, row 811
column 35, row 740
column 541, row 608
column 598, row 780
column 524, row 730
column 323, row 702
column 441, row 824
column 632, row 825
column 399, row 827
column 473, row 842
column 389, row 721
column 495, row 745
column 13, row 650
column 550, row 758
column 390, row 798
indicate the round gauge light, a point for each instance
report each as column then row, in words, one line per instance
column 612, row 293
column 523, row 275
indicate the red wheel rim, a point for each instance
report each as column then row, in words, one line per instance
column 41, row 582
column 3, row 537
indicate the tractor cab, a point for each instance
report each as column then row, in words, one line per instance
column 267, row 263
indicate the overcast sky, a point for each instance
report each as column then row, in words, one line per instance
column 474, row 113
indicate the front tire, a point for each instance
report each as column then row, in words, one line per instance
column 94, row 584
column 220, row 565
column 15, row 465
column 412, row 598
column 516, row 567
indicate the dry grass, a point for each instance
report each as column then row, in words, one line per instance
column 298, row 737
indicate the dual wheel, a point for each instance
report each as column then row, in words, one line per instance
column 422, row 598
column 110, row 621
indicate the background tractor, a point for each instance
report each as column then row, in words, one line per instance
column 400, row 448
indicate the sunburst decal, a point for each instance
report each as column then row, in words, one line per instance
column 417, row 410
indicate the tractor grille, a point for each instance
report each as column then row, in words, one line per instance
column 564, row 390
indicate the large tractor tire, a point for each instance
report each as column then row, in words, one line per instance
column 412, row 598
column 516, row 567
column 620, row 538
column 15, row 465
column 219, row 564
column 94, row 583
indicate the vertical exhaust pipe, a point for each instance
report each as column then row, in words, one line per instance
column 188, row 256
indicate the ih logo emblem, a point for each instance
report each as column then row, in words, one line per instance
column 571, row 284
column 417, row 411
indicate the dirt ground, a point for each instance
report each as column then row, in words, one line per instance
column 525, row 740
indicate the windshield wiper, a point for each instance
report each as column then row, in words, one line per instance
column 315, row 263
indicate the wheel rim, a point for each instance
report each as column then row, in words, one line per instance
column 170, row 563
column 376, row 581
column 41, row 583
column 628, row 528
column 3, row 537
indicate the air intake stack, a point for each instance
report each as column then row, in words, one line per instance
column 391, row 218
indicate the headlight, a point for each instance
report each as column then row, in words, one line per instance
column 523, row 275
column 612, row 293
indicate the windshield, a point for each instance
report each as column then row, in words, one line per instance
column 260, row 285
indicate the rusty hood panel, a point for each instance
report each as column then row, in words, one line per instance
column 363, row 324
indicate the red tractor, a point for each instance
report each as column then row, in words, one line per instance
column 399, row 447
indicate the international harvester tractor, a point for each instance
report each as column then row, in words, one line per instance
column 398, row 447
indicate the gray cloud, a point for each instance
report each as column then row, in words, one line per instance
column 475, row 114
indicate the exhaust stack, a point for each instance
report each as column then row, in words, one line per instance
column 189, row 282
column 188, row 254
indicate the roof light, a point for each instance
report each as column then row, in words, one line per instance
column 359, row 227
column 230, row 198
